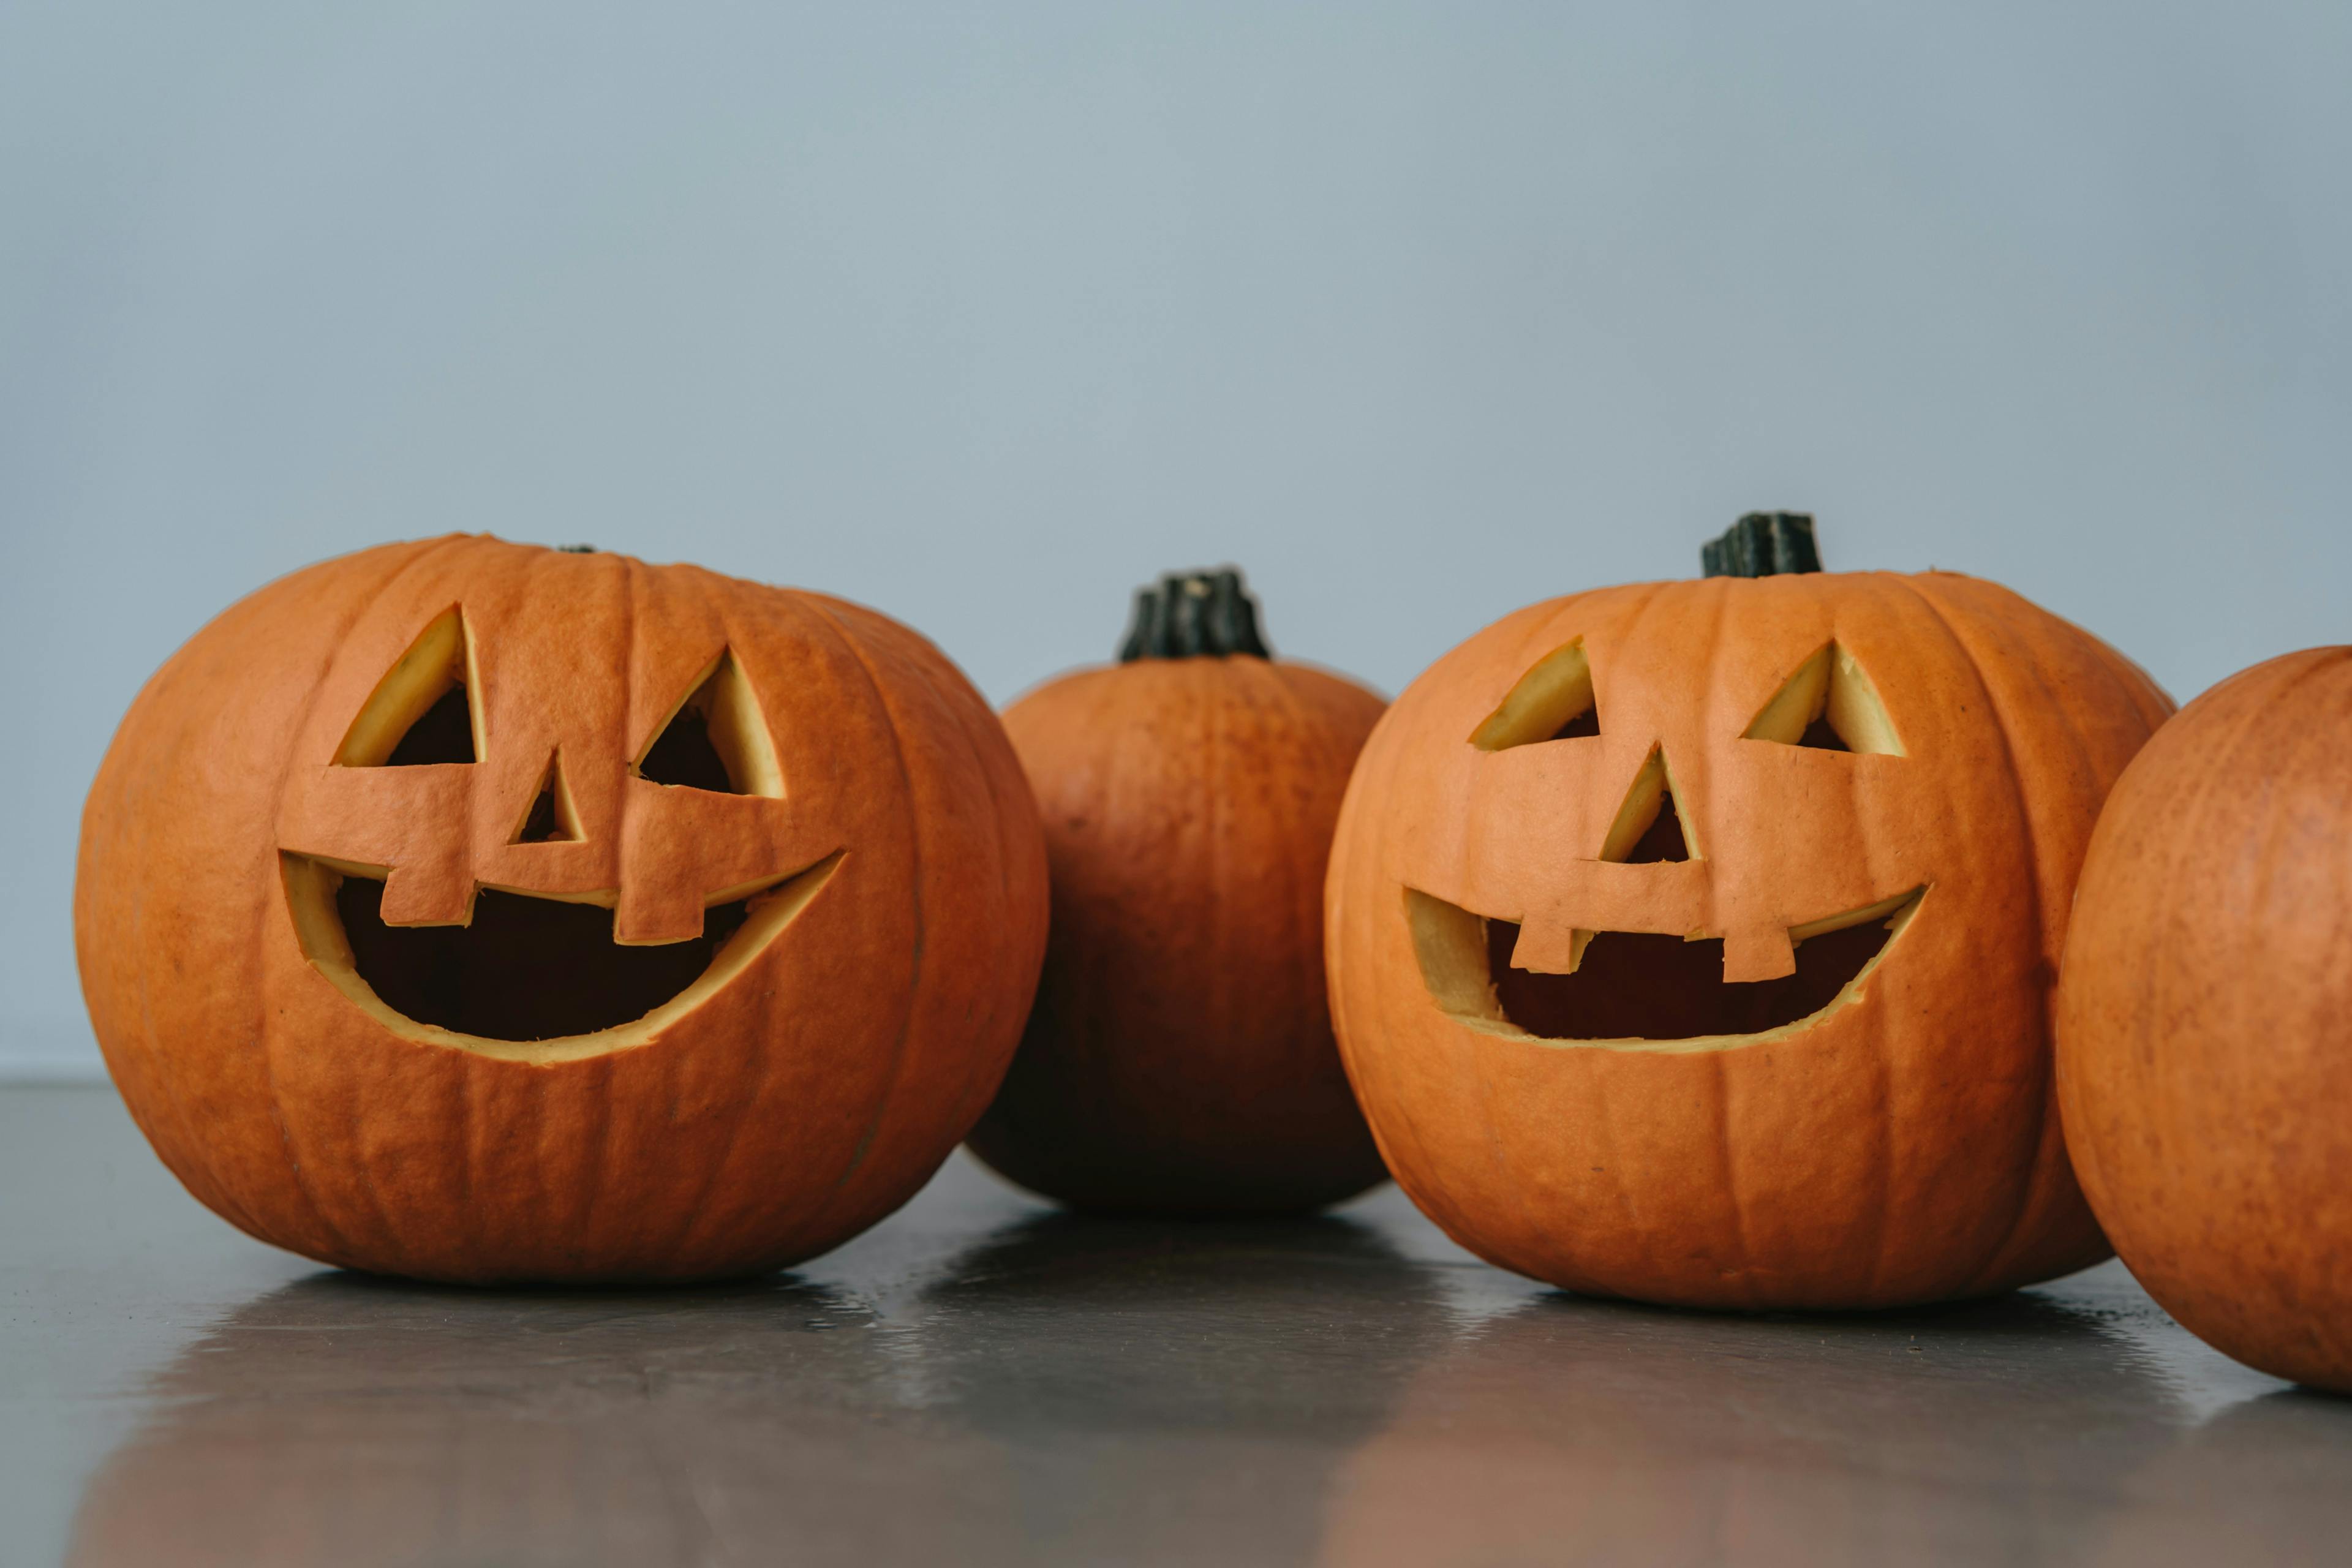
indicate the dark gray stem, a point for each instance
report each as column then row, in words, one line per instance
column 1763, row 544
column 1189, row 614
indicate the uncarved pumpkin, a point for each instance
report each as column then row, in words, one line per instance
column 1693, row 941
column 1179, row 1057
column 2205, row 1019
column 483, row 912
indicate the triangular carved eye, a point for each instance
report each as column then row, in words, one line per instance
column 419, row 713
column 552, row 818
column 1649, row 827
column 1830, row 705
column 716, row 739
column 1553, row 701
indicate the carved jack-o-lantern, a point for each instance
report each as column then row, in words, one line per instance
column 1693, row 941
column 477, row 911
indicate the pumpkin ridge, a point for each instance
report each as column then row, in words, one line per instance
column 1352, row 922
column 459, row 1086
column 1882, row 1130
column 2053, row 1173
column 214, row 1190
column 1124, row 776
column 1529, row 648
column 1216, row 752
column 1313, row 694
column 855, row 645
column 144, row 715
column 1627, row 1198
column 2146, row 697
column 1719, row 1086
column 703, row 1213
column 1305, row 888
column 2032, row 860
column 712, row 595
column 1718, row 1090
column 264, row 913
column 1254, row 712
column 977, row 1085
column 598, row 1147
column 276, row 905
column 2050, row 1162
column 1496, row 1144
column 2230, row 762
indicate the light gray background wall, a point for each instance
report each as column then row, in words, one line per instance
column 983, row 314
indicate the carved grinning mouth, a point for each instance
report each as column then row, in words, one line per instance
column 527, row 978
column 1641, row 991
column 532, row 976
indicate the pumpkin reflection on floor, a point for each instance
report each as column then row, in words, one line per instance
column 1081, row 1391
column 1161, row 1392
column 360, row 1422
column 1572, row 1431
column 1201, row 1383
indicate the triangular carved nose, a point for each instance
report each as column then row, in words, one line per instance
column 1649, row 825
column 552, row 818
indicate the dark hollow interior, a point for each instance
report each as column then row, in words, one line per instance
column 683, row 754
column 526, row 969
column 1821, row 736
column 544, row 824
column 1633, row 985
column 1587, row 722
column 1663, row 841
column 445, row 734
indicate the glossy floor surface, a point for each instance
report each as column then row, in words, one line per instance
column 981, row 1380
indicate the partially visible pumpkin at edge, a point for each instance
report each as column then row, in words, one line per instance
column 2204, row 1054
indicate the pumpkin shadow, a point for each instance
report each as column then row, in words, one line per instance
column 1060, row 1388
column 1572, row 1430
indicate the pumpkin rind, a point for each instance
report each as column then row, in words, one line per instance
column 1179, row 1057
column 797, row 1104
column 2204, row 1065
column 1898, row 1148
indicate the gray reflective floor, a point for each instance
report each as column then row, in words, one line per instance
column 983, row 1380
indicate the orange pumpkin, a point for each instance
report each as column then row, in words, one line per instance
column 2204, row 1063
column 1693, row 941
column 1179, row 1058
column 482, row 912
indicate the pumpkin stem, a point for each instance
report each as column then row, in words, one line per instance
column 1193, row 612
column 1763, row 544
